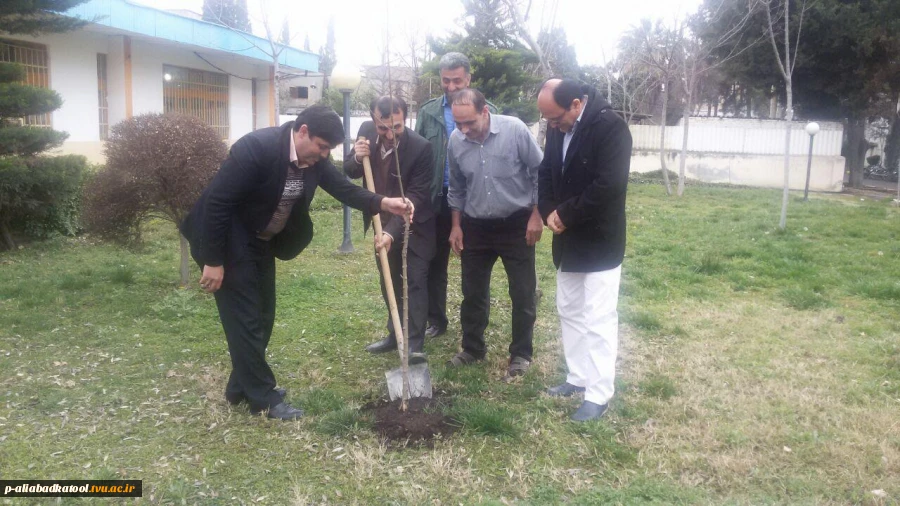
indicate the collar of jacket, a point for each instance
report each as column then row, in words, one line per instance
column 401, row 143
column 287, row 130
column 432, row 108
column 595, row 104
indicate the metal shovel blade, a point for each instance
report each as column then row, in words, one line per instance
column 419, row 382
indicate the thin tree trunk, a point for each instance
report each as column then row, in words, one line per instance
column 686, row 117
column 404, row 353
column 7, row 236
column 277, row 69
column 542, row 132
column 892, row 144
column 856, row 149
column 185, row 261
column 789, row 117
column 662, row 139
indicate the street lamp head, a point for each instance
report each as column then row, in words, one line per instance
column 345, row 77
column 812, row 128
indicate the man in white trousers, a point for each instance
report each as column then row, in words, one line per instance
column 581, row 196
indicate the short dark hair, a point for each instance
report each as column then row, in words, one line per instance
column 388, row 105
column 322, row 122
column 566, row 91
column 454, row 60
column 469, row 96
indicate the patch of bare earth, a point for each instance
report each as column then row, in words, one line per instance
column 421, row 423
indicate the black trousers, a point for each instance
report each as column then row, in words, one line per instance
column 437, row 269
column 246, row 303
column 418, row 256
column 485, row 240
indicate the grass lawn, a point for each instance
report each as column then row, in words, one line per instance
column 755, row 367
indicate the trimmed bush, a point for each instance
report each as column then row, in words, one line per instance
column 156, row 167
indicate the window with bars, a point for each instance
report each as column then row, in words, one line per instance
column 300, row 92
column 102, row 102
column 37, row 72
column 197, row 93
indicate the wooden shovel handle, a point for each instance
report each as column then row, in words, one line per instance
column 385, row 266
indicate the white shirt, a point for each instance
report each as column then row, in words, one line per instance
column 571, row 133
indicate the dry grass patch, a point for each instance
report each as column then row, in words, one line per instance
column 760, row 395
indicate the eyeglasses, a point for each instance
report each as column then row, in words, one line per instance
column 556, row 119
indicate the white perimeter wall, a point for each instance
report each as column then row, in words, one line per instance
column 745, row 152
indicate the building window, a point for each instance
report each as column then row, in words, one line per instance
column 37, row 72
column 102, row 102
column 300, row 92
column 197, row 93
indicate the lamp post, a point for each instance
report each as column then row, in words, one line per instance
column 346, row 79
column 812, row 129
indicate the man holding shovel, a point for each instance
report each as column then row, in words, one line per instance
column 385, row 140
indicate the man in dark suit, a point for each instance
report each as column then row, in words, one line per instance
column 256, row 209
column 385, row 140
column 581, row 196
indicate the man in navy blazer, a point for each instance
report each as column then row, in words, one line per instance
column 256, row 209
column 582, row 183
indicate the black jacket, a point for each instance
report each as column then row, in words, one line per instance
column 243, row 196
column 589, row 195
column 416, row 164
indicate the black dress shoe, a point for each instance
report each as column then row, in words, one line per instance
column 565, row 390
column 235, row 399
column 589, row 411
column 385, row 345
column 282, row 411
column 433, row 331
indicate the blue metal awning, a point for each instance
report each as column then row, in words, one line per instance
column 142, row 20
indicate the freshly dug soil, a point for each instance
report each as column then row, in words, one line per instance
column 423, row 420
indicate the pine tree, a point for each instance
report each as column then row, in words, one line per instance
column 34, row 18
column 328, row 58
column 32, row 187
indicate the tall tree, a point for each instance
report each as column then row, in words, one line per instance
column 275, row 32
column 850, row 75
column 696, row 61
column 28, row 185
column 520, row 27
column 37, row 17
column 501, row 63
column 559, row 54
column 786, row 58
column 327, row 55
column 231, row 13
column 501, row 74
column 658, row 48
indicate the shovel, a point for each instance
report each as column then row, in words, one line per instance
column 418, row 375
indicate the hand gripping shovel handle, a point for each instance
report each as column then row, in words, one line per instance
column 385, row 267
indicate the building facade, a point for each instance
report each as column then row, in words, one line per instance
column 132, row 59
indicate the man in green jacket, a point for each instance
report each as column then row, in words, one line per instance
column 435, row 123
